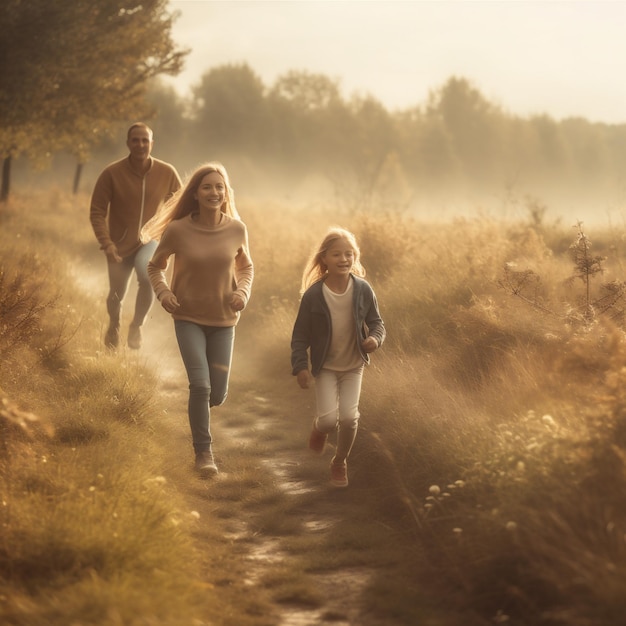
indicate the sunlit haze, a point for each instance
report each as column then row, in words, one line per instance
column 561, row 58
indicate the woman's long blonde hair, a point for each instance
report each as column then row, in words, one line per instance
column 316, row 269
column 183, row 203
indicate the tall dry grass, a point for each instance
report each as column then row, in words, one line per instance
column 492, row 433
column 493, row 418
column 505, row 415
column 91, row 532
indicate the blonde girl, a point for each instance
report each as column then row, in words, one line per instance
column 337, row 327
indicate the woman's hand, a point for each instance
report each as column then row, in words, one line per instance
column 236, row 302
column 170, row 302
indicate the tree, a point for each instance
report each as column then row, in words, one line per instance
column 310, row 121
column 71, row 70
column 229, row 116
column 307, row 91
column 472, row 123
column 170, row 126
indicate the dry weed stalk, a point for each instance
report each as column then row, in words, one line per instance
column 525, row 285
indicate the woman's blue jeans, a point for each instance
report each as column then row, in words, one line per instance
column 207, row 355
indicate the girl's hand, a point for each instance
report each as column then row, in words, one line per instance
column 237, row 303
column 170, row 302
column 369, row 344
column 304, row 378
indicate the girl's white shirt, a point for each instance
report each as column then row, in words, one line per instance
column 343, row 353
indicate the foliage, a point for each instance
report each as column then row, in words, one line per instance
column 525, row 284
column 492, row 435
column 91, row 530
column 511, row 425
column 88, row 62
column 301, row 133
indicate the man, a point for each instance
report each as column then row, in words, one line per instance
column 127, row 194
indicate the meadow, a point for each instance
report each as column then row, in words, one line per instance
column 490, row 462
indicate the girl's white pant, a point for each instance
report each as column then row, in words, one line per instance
column 337, row 397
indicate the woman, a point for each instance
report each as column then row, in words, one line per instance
column 211, row 283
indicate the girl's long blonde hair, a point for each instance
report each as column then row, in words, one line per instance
column 183, row 203
column 316, row 269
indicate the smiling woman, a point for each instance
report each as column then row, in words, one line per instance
column 210, row 196
column 211, row 283
column 425, row 43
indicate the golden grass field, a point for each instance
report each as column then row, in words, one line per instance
column 487, row 479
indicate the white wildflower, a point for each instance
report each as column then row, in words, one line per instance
column 434, row 489
column 157, row 481
column 195, row 514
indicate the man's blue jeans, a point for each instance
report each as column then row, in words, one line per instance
column 119, row 279
column 207, row 354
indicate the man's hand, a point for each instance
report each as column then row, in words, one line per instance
column 112, row 254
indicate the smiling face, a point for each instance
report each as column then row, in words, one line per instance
column 339, row 258
column 140, row 143
column 211, row 192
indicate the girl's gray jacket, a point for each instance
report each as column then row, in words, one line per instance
column 312, row 328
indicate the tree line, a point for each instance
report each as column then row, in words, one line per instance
column 95, row 68
column 302, row 124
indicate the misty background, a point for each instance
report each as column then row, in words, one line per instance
column 299, row 138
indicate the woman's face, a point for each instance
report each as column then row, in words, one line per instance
column 211, row 192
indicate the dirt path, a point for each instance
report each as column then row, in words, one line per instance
column 264, row 425
column 314, row 506
column 260, row 436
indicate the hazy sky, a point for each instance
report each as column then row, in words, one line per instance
column 560, row 57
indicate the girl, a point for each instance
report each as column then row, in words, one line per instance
column 211, row 283
column 339, row 323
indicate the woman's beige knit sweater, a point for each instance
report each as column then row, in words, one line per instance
column 210, row 264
